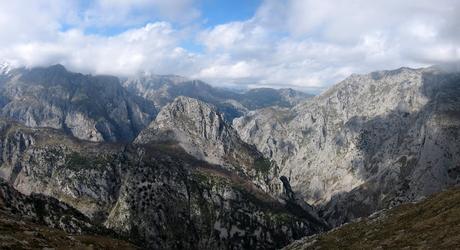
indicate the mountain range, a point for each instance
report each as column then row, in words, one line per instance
column 161, row 90
column 167, row 162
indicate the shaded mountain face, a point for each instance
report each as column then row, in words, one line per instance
column 162, row 90
column 407, row 226
column 154, row 194
column 94, row 108
column 370, row 142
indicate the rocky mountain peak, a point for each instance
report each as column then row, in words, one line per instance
column 202, row 131
column 196, row 126
column 192, row 107
column 189, row 116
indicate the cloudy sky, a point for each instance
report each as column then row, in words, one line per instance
column 305, row 44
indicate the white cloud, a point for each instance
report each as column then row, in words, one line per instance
column 240, row 69
column 247, row 36
column 28, row 21
column 223, row 36
column 153, row 47
column 305, row 44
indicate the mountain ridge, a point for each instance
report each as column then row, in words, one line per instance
column 366, row 128
column 94, row 108
column 162, row 90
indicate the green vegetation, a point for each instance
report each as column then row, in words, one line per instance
column 209, row 180
column 201, row 177
column 280, row 217
column 77, row 161
column 262, row 165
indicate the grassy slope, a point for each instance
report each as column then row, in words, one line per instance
column 433, row 223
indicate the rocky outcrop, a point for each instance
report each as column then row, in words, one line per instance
column 94, row 108
column 201, row 131
column 370, row 142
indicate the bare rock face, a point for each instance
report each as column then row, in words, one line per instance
column 267, row 130
column 94, row 108
column 370, row 142
column 201, row 131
